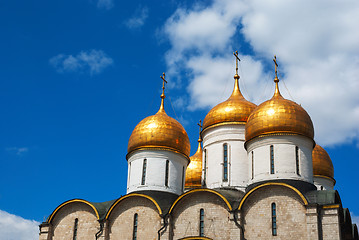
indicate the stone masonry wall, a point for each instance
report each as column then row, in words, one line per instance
column 64, row 220
column 217, row 220
column 291, row 214
column 121, row 220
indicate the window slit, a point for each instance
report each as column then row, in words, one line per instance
column 135, row 223
column 144, row 168
column 274, row 220
column 225, row 163
column 166, row 175
column 201, row 223
column 75, row 229
column 271, row 160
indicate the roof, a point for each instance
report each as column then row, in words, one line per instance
column 233, row 196
column 323, row 197
column 301, row 186
column 164, row 199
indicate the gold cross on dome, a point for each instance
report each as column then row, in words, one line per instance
column 200, row 126
column 275, row 65
column 163, row 84
column 237, row 60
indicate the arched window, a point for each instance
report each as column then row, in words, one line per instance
column 75, row 229
column 205, row 167
column 274, row 220
column 166, row 174
column 183, row 173
column 225, row 162
column 252, row 164
column 201, row 222
column 271, row 159
column 135, row 222
column 144, row 168
column 297, row 159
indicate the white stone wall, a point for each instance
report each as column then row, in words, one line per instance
column 156, row 170
column 213, row 141
column 284, row 158
column 323, row 183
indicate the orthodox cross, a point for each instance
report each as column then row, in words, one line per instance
column 237, row 60
column 200, row 126
column 275, row 65
column 200, row 129
column 164, row 81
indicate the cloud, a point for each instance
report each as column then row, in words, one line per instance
column 18, row 150
column 138, row 19
column 105, row 4
column 316, row 44
column 13, row 227
column 92, row 61
column 355, row 219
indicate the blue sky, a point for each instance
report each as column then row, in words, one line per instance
column 77, row 76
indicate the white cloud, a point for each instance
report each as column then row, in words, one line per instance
column 138, row 19
column 105, row 4
column 18, row 150
column 355, row 219
column 13, row 227
column 316, row 44
column 92, row 61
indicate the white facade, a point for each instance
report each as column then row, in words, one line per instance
column 324, row 183
column 288, row 162
column 153, row 177
column 213, row 163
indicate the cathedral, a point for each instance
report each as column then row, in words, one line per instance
column 257, row 174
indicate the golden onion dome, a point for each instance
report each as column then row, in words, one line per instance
column 194, row 169
column 279, row 116
column 160, row 131
column 322, row 164
column 235, row 109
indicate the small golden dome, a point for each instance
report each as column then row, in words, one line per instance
column 194, row 169
column 322, row 164
column 160, row 131
column 279, row 116
column 235, row 109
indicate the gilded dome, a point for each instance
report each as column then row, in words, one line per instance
column 194, row 169
column 160, row 131
column 279, row 116
column 235, row 109
column 322, row 164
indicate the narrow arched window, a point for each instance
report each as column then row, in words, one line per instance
column 274, row 220
column 166, row 174
column 271, row 159
column 135, row 223
column 297, row 159
column 144, row 168
column 252, row 164
column 201, row 222
column 75, row 229
column 225, row 163
column 205, row 167
column 183, row 173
